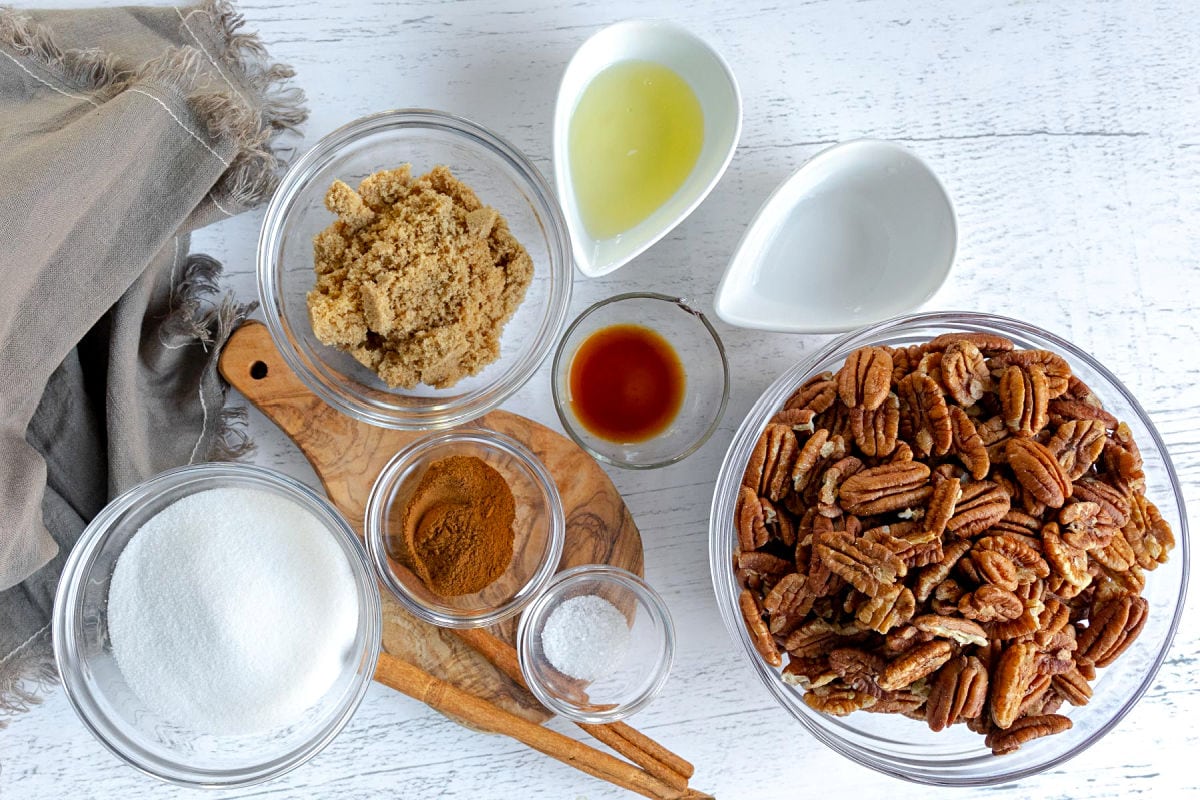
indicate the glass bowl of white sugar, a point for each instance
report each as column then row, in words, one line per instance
column 217, row 625
column 597, row 644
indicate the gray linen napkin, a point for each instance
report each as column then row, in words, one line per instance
column 121, row 130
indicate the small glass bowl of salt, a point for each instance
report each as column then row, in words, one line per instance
column 597, row 644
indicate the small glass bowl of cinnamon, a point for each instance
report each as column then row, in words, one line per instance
column 464, row 527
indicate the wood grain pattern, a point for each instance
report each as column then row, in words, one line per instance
column 347, row 455
column 1068, row 136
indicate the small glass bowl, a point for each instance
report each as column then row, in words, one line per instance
column 502, row 177
column 908, row 749
column 705, row 367
column 539, row 528
column 120, row 720
column 635, row 679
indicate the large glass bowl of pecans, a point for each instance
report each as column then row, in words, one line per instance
column 953, row 546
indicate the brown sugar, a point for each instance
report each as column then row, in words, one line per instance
column 457, row 531
column 416, row 277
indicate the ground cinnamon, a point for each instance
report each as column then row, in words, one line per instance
column 458, row 526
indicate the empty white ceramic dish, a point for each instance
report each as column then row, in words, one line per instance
column 708, row 76
column 861, row 232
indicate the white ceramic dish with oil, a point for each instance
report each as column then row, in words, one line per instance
column 861, row 232
column 706, row 72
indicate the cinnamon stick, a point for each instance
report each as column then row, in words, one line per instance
column 629, row 742
column 420, row 685
column 656, row 767
column 640, row 740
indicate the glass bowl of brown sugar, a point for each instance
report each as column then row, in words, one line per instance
column 464, row 527
column 499, row 356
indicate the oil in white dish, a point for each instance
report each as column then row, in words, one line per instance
column 634, row 138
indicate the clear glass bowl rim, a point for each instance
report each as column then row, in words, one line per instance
column 562, row 582
column 94, row 537
column 376, row 512
column 721, row 538
column 438, row 414
column 560, row 402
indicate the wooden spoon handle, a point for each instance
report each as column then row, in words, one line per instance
column 442, row 696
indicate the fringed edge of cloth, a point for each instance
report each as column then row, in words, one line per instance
column 195, row 319
column 259, row 105
column 26, row 674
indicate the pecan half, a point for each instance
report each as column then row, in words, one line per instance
column 865, row 378
column 981, row 505
column 858, row 669
column 1024, row 400
column 917, row 663
column 1026, row 730
column 991, row 343
column 990, row 604
column 800, row 420
column 1114, row 505
column 916, row 548
column 1072, row 687
column 901, row 702
column 1029, row 563
column 956, row 629
column 808, row 672
column 864, row 565
column 1148, row 535
column 1112, row 628
column 788, row 602
column 967, row 444
column 761, row 571
column 1017, row 523
column 989, row 566
column 964, row 372
column 1068, row 561
column 942, row 504
column 1077, row 444
column 893, row 606
column 837, row 700
column 1019, row 628
column 748, row 519
column 782, row 450
column 924, row 416
column 816, row 394
column 1081, row 526
column 1010, row 680
column 958, row 692
column 1038, row 471
column 763, row 642
column 1067, row 409
column 888, row 487
column 875, row 431
column 816, row 637
column 1054, row 367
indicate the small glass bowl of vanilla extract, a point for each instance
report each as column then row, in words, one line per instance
column 640, row 380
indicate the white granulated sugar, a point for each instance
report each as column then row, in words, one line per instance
column 232, row 611
column 585, row 638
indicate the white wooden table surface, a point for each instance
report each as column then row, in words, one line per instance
column 1068, row 134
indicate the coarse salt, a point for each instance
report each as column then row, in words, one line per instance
column 232, row 611
column 585, row 638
